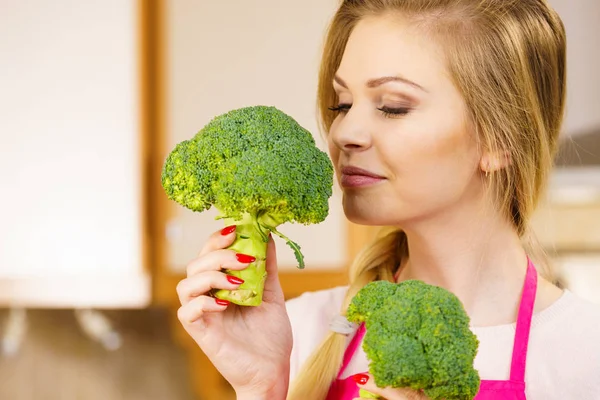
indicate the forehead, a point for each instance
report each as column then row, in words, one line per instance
column 389, row 45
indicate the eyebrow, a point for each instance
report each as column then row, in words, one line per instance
column 373, row 83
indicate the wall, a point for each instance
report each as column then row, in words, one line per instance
column 582, row 23
column 70, row 162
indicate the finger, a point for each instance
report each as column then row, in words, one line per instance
column 219, row 240
column 200, row 284
column 194, row 310
column 272, row 290
column 217, row 260
column 367, row 383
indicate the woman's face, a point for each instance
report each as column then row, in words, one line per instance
column 403, row 122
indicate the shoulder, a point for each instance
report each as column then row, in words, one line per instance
column 573, row 322
column 319, row 303
column 565, row 347
column 570, row 317
column 310, row 314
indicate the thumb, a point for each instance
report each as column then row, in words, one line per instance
column 272, row 291
column 369, row 390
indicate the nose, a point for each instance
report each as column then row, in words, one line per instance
column 351, row 132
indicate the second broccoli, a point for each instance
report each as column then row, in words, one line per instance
column 418, row 337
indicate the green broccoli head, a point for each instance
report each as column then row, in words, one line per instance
column 255, row 160
column 260, row 169
column 288, row 185
column 418, row 337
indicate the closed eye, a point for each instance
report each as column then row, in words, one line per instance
column 341, row 108
column 388, row 112
column 392, row 112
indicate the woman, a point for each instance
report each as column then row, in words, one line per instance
column 442, row 119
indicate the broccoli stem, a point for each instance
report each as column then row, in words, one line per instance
column 293, row 245
column 271, row 222
column 363, row 394
column 252, row 236
column 251, row 239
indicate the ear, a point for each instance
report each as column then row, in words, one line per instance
column 494, row 161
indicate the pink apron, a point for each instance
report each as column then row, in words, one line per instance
column 512, row 389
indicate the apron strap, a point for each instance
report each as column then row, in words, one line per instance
column 519, row 355
column 351, row 349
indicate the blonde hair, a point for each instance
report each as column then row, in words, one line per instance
column 507, row 58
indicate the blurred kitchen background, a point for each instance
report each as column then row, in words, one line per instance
column 93, row 96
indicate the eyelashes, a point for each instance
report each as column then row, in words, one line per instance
column 341, row 108
column 388, row 112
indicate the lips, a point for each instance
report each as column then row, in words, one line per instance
column 351, row 171
column 357, row 177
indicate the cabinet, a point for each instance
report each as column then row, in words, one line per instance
column 72, row 207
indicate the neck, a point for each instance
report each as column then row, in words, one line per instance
column 477, row 257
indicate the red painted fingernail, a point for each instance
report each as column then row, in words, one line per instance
column 235, row 280
column 222, row 302
column 227, row 230
column 245, row 259
column 361, row 379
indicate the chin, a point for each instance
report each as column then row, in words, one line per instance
column 361, row 220
column 370, row 213
column 365, row 215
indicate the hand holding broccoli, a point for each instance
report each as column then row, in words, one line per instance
column 250, row 346
column 260, row 169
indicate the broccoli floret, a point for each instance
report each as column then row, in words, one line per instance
column 259, row 168
column 417, row 337
column 369, row 299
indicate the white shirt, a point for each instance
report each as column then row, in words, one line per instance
column 563, row 360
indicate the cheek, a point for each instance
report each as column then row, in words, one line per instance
column 455, row 151
column 432, row 159
column 334, row 151
column 437, row 141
